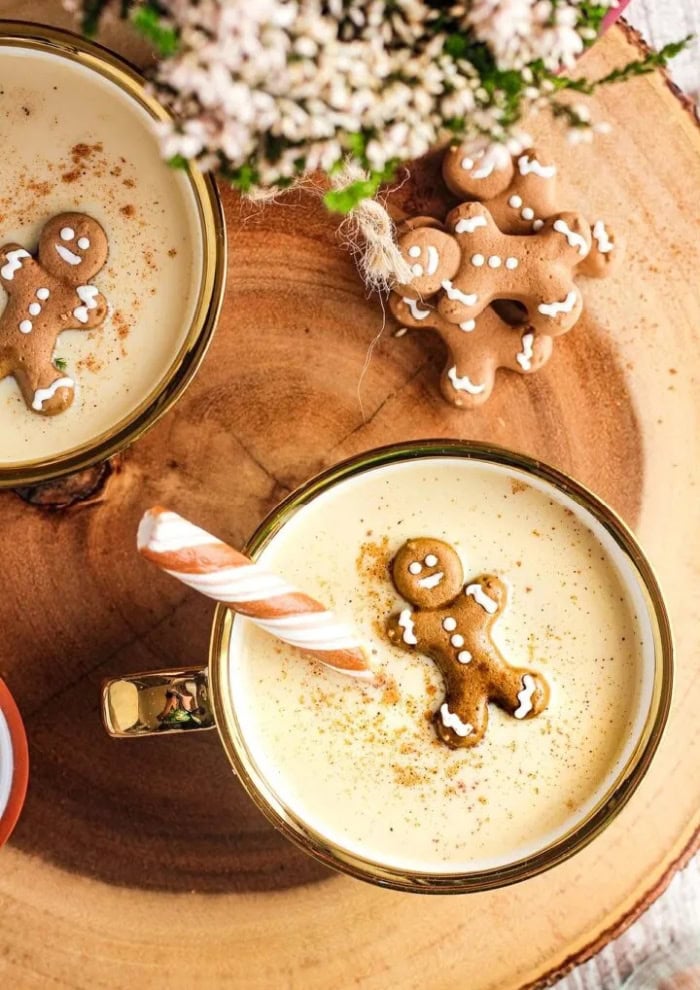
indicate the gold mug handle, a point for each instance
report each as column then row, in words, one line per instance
column 156, row 703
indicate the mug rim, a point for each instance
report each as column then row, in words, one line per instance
column 210, row 293
column 20, row 764
column 564, row 846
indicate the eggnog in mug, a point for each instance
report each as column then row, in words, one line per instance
column 79, row 135
column 355, row 769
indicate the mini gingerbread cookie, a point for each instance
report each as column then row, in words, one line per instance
column 521, row 194
column 473, row 263
column 476, row 349
column 451, row 623
column 45, row 297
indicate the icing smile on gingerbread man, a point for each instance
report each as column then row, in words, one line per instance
column 452, row 623
column 46, row 296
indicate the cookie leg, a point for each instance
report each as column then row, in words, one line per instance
column 47, row 391
column 461, row 719
column 522, row 693
column 467, row 384
column 525, row 351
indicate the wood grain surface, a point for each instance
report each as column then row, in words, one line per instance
column 144, row 864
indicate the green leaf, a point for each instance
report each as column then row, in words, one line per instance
column 60, row 363
column 640, row 67
column 346, row 199
column 149, row 22
column 178, row 161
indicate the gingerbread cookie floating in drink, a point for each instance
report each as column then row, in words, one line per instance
column 451, row 623
column 46, row 296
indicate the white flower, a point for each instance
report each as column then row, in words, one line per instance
column 283, row 86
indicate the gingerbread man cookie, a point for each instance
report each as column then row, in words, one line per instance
column 45, row 297
column 472, row 264
column 476, row 349
column 451, row 623
column 521, row 194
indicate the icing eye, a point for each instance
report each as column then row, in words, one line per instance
column 414, row 252
column 67, row 233
column 431, row 560
column 83, row 243
column 415, row 567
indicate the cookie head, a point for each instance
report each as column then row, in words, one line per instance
column 432, row 255
column 427, row 572
column 73, row 247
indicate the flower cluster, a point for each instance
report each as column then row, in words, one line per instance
column 267, row 91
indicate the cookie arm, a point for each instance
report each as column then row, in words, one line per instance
column 16, row 267
column 90, row 309
column 401, row 629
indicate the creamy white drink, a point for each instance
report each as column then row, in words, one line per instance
column 361, row 765
column 73, row 141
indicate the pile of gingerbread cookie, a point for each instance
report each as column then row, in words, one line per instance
column 496, row 279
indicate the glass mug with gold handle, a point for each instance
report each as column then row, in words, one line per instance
column 354, row 772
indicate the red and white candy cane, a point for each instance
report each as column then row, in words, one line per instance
column 203, row 562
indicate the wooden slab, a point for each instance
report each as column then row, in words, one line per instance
column 144, row 864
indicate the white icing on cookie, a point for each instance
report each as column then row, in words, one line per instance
column 415, row 567
column 67, row 256
column 512, row 263
column 452, row 293
column 42, row 395
column 525, row 697
column 452, row 721
column 464, row 656
column 414, row 251
column 516, row 202
column 88, row 294
column 402, row 331
column 433, row 259
column 25, row 326
column 478, row 260
column 565, row 306
column 467, row 225
column 83, row 243
column 494, row 261
column 431, row 560
column 527, row 213
column 467, row 326
column 449, row 624
column 524, row 357
column 42, row 294
column 431, row 581
column 481, row 598
column 13, row 263
column 417, row 270
column 605, row 245
column 67, row 233
column 538, row 225
column 409, row 630
column 528, row 165
column 457, row 640
column 574, row 239
column 34, row 309
column 464, row 384
column 416, row 312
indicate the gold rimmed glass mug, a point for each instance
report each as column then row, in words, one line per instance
column 165, row 273
column 326, row 759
